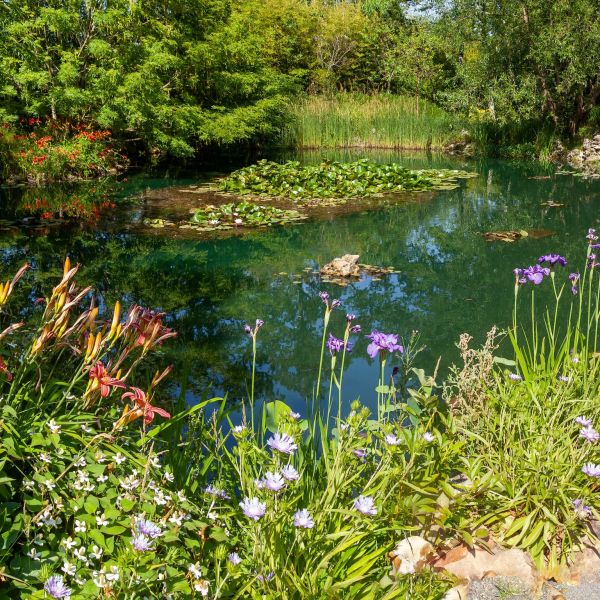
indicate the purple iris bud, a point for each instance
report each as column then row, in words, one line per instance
column 324, row 296
column 336, row 303
column 595, row 246
column 141, row 543
column 591, row 470
column 591, row 236
column 382, row 341
column 334, row 345
column 517, row 272
column 590, row 434
column 350, row 317
column 582, row 511
column 248, row 329
column 553, row 259
column 591, row 260
column 365, row 505
column 259, row 324
column 55, row 587
column 355, row 329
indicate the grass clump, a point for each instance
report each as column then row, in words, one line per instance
column 371, row 121
column 334, row 179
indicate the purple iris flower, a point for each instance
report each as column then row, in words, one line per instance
column 553, row 259
column 350, row 317
column 591, row 236
column 536, row 274
column 325, row 297
column 55, row 587
column 334, row 345
column 382, row 341
column 574, row 277
column 591, row 260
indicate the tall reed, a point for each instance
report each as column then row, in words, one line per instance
column 370, row 121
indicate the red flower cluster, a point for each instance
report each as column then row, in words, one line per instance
column 93, row 136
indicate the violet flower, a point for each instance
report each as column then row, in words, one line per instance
column 428, row 436
column 582, row 511
column 574, row 277
column 290, row 473
column 55, row 587
column 282, row 442
column 535, row 274
column 591, row 236
column 359, row 452
column 590, row 434
column 591, row 469
column 148, row 528
column 303, row 519
column 553, row 259
column 253, row 508
column 334, row 345
column 591, row 261
column 391, row 440
column 515, row 377
column 583, row 421
column 141, row 543
column 387, row 342
column 274, row 481
column 365, row 505
column 234, row 558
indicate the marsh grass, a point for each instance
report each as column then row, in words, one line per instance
column 369, row 121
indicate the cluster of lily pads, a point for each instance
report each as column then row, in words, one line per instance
column 241, row 214
column 332, row 179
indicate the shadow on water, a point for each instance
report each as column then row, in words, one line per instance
column 451, row 280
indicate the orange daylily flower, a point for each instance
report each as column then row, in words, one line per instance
column 147, row 410
column 101, row 379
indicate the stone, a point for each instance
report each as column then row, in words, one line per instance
column 456, row 593
column 587, row 158
column 410, row 555
column 478, row 563
column 343, row 266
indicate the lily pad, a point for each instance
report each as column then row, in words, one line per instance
column 513, row 236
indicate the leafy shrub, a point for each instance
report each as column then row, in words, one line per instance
column 336, row 180
column 43, row 153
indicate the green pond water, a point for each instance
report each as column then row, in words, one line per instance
column 451, row 280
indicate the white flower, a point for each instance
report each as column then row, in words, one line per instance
column 161, row 498
column 168, row 476
column 49, row 484
column 52, row 426
column 176, row 518
column 80, row 526
column 129, row 483
column 212, row 515
column 238, row 429
column 69, row 543
column 99, row 578
column 34, row 554
column 87, row 429
column 114, row 574
column 119, row 458
column 202, row 587
column 80, row 554
column 68, row 568
column 80, row 462
column 100, row 457
column 102, row 478
column 155, row 462
column 96, row 552
column 101, row 520
column 45, row 458
column 428, row 436
column 181, row 496
column 39, row 540
column 195, row 571
column 28, row 484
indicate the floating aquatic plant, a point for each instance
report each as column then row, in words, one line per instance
column 242, row 214
column 336, row 180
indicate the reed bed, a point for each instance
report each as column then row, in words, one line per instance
column 370, row 121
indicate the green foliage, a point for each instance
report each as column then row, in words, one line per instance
column 336, row 180
column 242, row 214
column 371, row 121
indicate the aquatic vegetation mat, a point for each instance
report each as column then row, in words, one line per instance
column 337, row 180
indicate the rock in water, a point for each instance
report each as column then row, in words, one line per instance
column 343, row 266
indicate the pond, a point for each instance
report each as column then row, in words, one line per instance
column 450, row 279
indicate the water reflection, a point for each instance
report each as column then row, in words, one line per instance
column 451, row 280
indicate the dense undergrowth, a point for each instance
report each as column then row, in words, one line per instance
column 108, row 491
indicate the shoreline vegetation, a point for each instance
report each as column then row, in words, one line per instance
column 109, row 489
